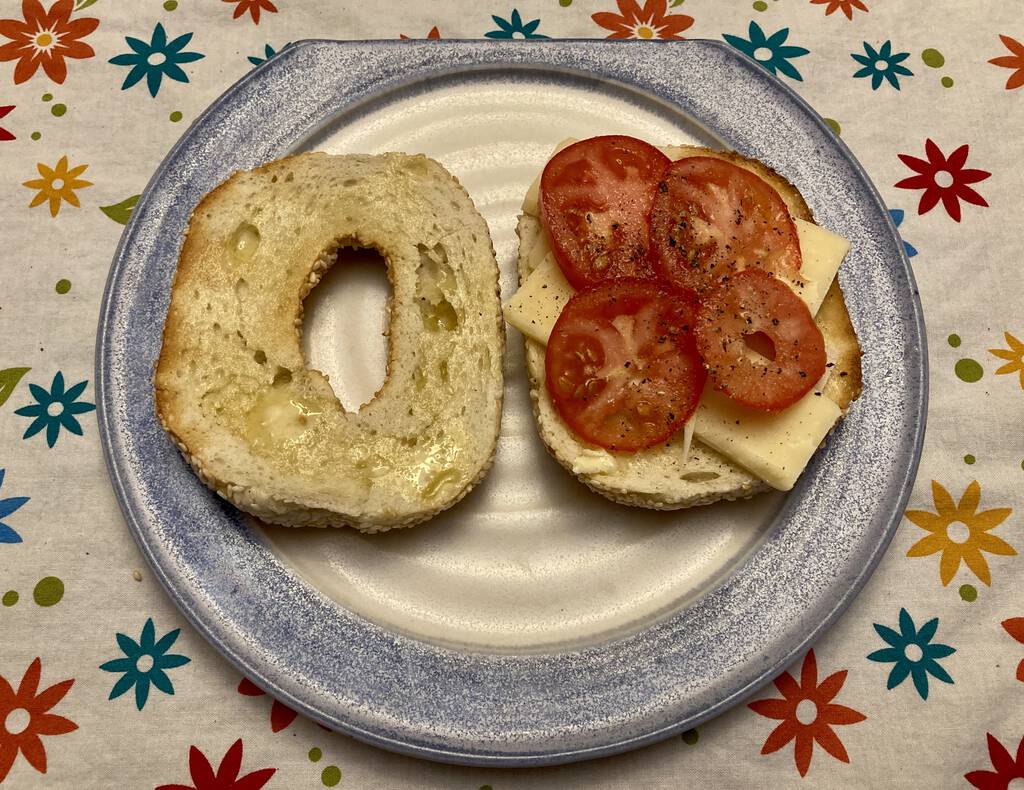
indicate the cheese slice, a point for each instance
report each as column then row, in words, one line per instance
column 688, row 428
column 775, row 447
column 539, row 301
column 821, row 251
column 531, row 202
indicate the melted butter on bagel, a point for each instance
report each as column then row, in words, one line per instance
column 234, row 390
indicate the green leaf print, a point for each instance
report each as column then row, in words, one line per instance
column 9, row 379
column 120, row 212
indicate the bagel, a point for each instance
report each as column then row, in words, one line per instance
column 234, row 391
column 667, row 477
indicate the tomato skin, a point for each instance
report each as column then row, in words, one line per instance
column 712, row 218
column 622, row 366
column 595, row 196
column 754, row 304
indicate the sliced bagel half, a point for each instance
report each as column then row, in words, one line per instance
column 234, row 390
column 677, row 473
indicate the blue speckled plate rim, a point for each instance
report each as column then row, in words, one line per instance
column 545, row 54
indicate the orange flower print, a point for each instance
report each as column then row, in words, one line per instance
column 45, row 38
column 1014, row 356
column 434, row 34
column 960, row 532
column 253, row 7
column 57, row 184
column 1015, row 628
column 846, row 6
column 1014, row 61
column 31, row 718
column 807, row 713
column 651, row 21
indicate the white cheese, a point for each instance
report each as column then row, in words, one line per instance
column 593, row 462
column 531, row 204
column 688, row 427
column 775, row 447
column 538, row 302
column 821, row 252
column 539, row 251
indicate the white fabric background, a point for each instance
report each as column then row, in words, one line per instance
column 970, row 279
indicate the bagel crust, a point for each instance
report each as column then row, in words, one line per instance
column 233, row 388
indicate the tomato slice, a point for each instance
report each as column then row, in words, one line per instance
column 622, row 365
column 712, row 218
column 595, row 196
column 759, row 341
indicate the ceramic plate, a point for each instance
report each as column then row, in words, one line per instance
column 535, row 622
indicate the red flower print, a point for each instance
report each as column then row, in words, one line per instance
column 40, row 721
column 651, row 21
column 433, row 34
column 226, row 777
column 1007, row 768
column 1015, row 628
column 280, row 714
column 44, row 38
column 1014, row 61
column 253, row 7
column 943, row 178
column 825, row 714
column 4, row 134
column 846, row 6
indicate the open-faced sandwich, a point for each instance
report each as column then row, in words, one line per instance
column 234, row 390
column 686, row 337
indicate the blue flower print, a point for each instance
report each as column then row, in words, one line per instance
column 268, row 53
column 63, row 416
column 144, row 663
column 897, row 220
column 911, row 652
column 769, row 51
column 8, row 506
column 514, row 28
column 882, row 64
column 158, row 59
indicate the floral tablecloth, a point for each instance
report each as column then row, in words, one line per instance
column 102, row 682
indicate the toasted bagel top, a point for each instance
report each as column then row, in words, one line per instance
column 232, row 384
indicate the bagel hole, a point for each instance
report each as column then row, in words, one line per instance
column 346, row 322
column 760, row 344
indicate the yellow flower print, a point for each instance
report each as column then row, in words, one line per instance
column 57, row 184
column 1014, row 354
column 959, row 532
